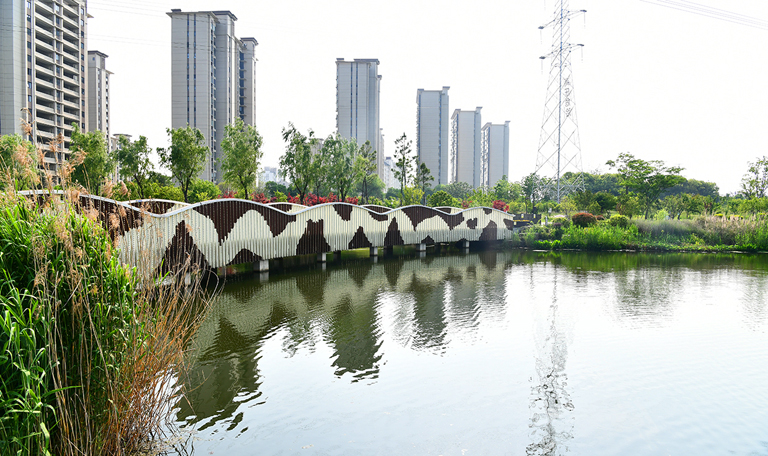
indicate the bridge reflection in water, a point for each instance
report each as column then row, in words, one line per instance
column 341, row 308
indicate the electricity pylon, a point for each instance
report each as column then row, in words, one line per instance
column 559, row 148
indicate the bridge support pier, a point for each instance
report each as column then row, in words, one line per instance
column 374, row 251
column 422, row 247
column 321, row 258
column 261, row 266
column 464, row 246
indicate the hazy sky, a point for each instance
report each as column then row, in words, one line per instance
column 654, row 81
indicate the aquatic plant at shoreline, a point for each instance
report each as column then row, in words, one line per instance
column 702, row 234
column 89, row 351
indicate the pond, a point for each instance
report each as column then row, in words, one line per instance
column 488, row 353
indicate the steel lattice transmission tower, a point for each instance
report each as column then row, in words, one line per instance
column 559, row 148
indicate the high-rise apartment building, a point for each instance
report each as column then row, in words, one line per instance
column 432, row 146
column 43, row 68
column 389, row 173
column 466, row 160
column 98, row 95
column 213, row 78
column 358, row 87
column 495, row 152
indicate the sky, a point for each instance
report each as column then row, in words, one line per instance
column 654, row 78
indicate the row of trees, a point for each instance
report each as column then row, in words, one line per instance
column 335, row 164
column 185, row 158
column 340, row 166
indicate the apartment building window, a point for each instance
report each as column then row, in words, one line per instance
column 29, row 31
column 29, row 5
column 29, row 98
column 29, row 58
column 29, row 45
column 29, row 18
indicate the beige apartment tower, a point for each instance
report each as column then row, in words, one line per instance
column 99, row 95
column 466, row 159
column 432, row 126
column 43, row 68
column 358, row 88
column 213, row 78
column 495, row 152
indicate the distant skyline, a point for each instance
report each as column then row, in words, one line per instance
column 657, row 82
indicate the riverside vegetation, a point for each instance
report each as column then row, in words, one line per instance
column 90, row 352
column 703, row 234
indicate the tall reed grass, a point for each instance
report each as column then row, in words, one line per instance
column 89, row 349
column 710, row 233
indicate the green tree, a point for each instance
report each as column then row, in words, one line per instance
column 442, row 199
column 507, row 191
column 422, row 180
column 403, row 164
column 532, row 186
column 185, row 157
column 412, row 195
column 365, row 170
column 458, row 190
column 341, row 154
column 628, row 205
column 296, row 164
column 755, row 183
column 648, row 179
column 271, row 187
column 95, row 167
column 19, row 158
column 203, row 190
column 133, row 158
column 375, row 187
column 242, row 155
column 676, row 204
column 607, row 201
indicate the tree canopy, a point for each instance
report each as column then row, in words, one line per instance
column 297, row 164
column 185, row 157
column 403, row 163
column 242, row 156
column 95, row 165
column 133, row 158
column 755, row 182
column 647, row 179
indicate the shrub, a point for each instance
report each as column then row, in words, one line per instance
column 583, row 219
column 441, row 198
column 621, row 221
column 501, row 205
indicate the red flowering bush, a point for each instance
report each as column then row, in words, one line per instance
column 260, row 198
column 310, row 199
column 583, row 219
column 501, row 205
column 227, row 194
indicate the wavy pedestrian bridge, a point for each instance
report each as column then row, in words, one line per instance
column 159, row 235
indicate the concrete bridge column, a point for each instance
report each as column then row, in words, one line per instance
column 465, row 246
column 374, row 251
column 261, row 266
column 422, row 247
column 321, row 258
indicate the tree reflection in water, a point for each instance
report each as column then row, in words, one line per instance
column 551, row 420
column 339, row 307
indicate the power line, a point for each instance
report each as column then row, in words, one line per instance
column 711, row 12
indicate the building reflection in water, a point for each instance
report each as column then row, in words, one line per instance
column 425, row 300
column 551, row 418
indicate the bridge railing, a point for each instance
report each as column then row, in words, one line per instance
column 159, row 235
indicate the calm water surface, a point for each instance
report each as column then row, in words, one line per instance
column 490, row 353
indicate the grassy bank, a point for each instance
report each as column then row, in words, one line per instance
column 704, row 234
column 90, row 352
